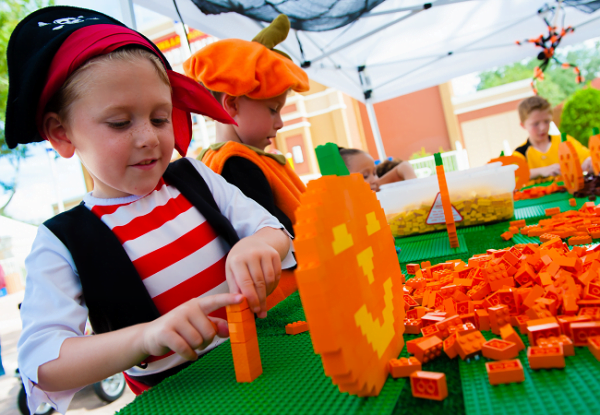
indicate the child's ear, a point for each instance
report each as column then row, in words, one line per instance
column 522, row 126
column 231, row 104
column 56, row 132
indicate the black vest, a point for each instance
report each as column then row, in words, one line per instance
column 112, row 289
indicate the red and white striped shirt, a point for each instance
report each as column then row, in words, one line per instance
column 176, row 252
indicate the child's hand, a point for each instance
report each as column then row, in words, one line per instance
column 187, row 327
column 551, row 170
column 253, row 268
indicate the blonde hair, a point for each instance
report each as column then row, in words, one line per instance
column 534, row 103
column 74, row 86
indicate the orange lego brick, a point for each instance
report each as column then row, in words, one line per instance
column 572, row 202
column 564, row 341
column 482, row 319
column 411, row 345
column 428, row 349
column 429, row 385
column 518, row 223
column 552, row 211
column 509, row 334
column 246, row 360
column 546, row 237
column 499, row 316
column 543, row 330
column 240, row 316
column 468, row 327
column 241, row 332
column 244, row 342
column 411, row 269
column 469, row 344
column 506, row 371
column 412, row 326
column 582, row 331
column 297, row 327
column 450, row 346
column 499, row 349
column 580, row 240
column 546, row 357
column 444, row 326
column 431, row 330
column 236, row 308
column 403, row 367
column 594, row 346
column 507, row 236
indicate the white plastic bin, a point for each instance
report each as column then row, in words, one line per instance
column 480, row 195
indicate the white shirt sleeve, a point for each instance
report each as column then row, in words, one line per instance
column 52, row 311
column 246, row 216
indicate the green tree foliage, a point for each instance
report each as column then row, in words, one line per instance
column 11, row 12
column 581, row 113
column 559, row 83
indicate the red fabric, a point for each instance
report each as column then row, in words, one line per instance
column 88, row 42
column 135, row 386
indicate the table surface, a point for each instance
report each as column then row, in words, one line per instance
column 293, row 380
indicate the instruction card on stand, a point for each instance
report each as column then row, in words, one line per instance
column 436, row 213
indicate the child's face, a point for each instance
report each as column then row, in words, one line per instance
column 538, row 125
column 363, row 163
column 258, row 119
column 121, row 128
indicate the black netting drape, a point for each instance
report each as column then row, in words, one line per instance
column 311, row 15
column 587, row 6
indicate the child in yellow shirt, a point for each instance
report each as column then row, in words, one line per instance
column 541, row 149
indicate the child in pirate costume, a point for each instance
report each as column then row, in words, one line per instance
column 157, row 249
column 251, row 80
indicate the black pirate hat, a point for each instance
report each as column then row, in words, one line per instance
column 32, row 46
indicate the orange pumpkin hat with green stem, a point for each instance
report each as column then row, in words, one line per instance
column 253, row 69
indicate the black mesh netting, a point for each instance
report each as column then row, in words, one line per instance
column 311, row 15
column 587, row 6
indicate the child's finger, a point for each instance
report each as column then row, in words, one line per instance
column 194, row 337
column 260, row 284
column 269, row 274
column 180, row 346
column 210, row 303
column 220, row 326
column 244, row 281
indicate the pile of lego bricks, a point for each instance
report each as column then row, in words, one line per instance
column 550, row 292
column 535, row 192
column 578, row 226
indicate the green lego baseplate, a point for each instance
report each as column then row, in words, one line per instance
column 554, row 197
column 430, row 248
column 572, row 390
column 426, row 236
column 292, row 382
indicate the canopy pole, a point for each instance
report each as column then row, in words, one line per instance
column 128, row 13
column 375, row 129
column 365, row 81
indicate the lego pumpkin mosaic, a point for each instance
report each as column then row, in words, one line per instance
column 350, row 282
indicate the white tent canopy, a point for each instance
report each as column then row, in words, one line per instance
column 412, row 53
column 404, row 46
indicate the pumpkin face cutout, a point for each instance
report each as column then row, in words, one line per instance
column 521, row 174
column 570, row 167
column 350, row 282
column 594, row 146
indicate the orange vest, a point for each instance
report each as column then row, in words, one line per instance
column 285, row 183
